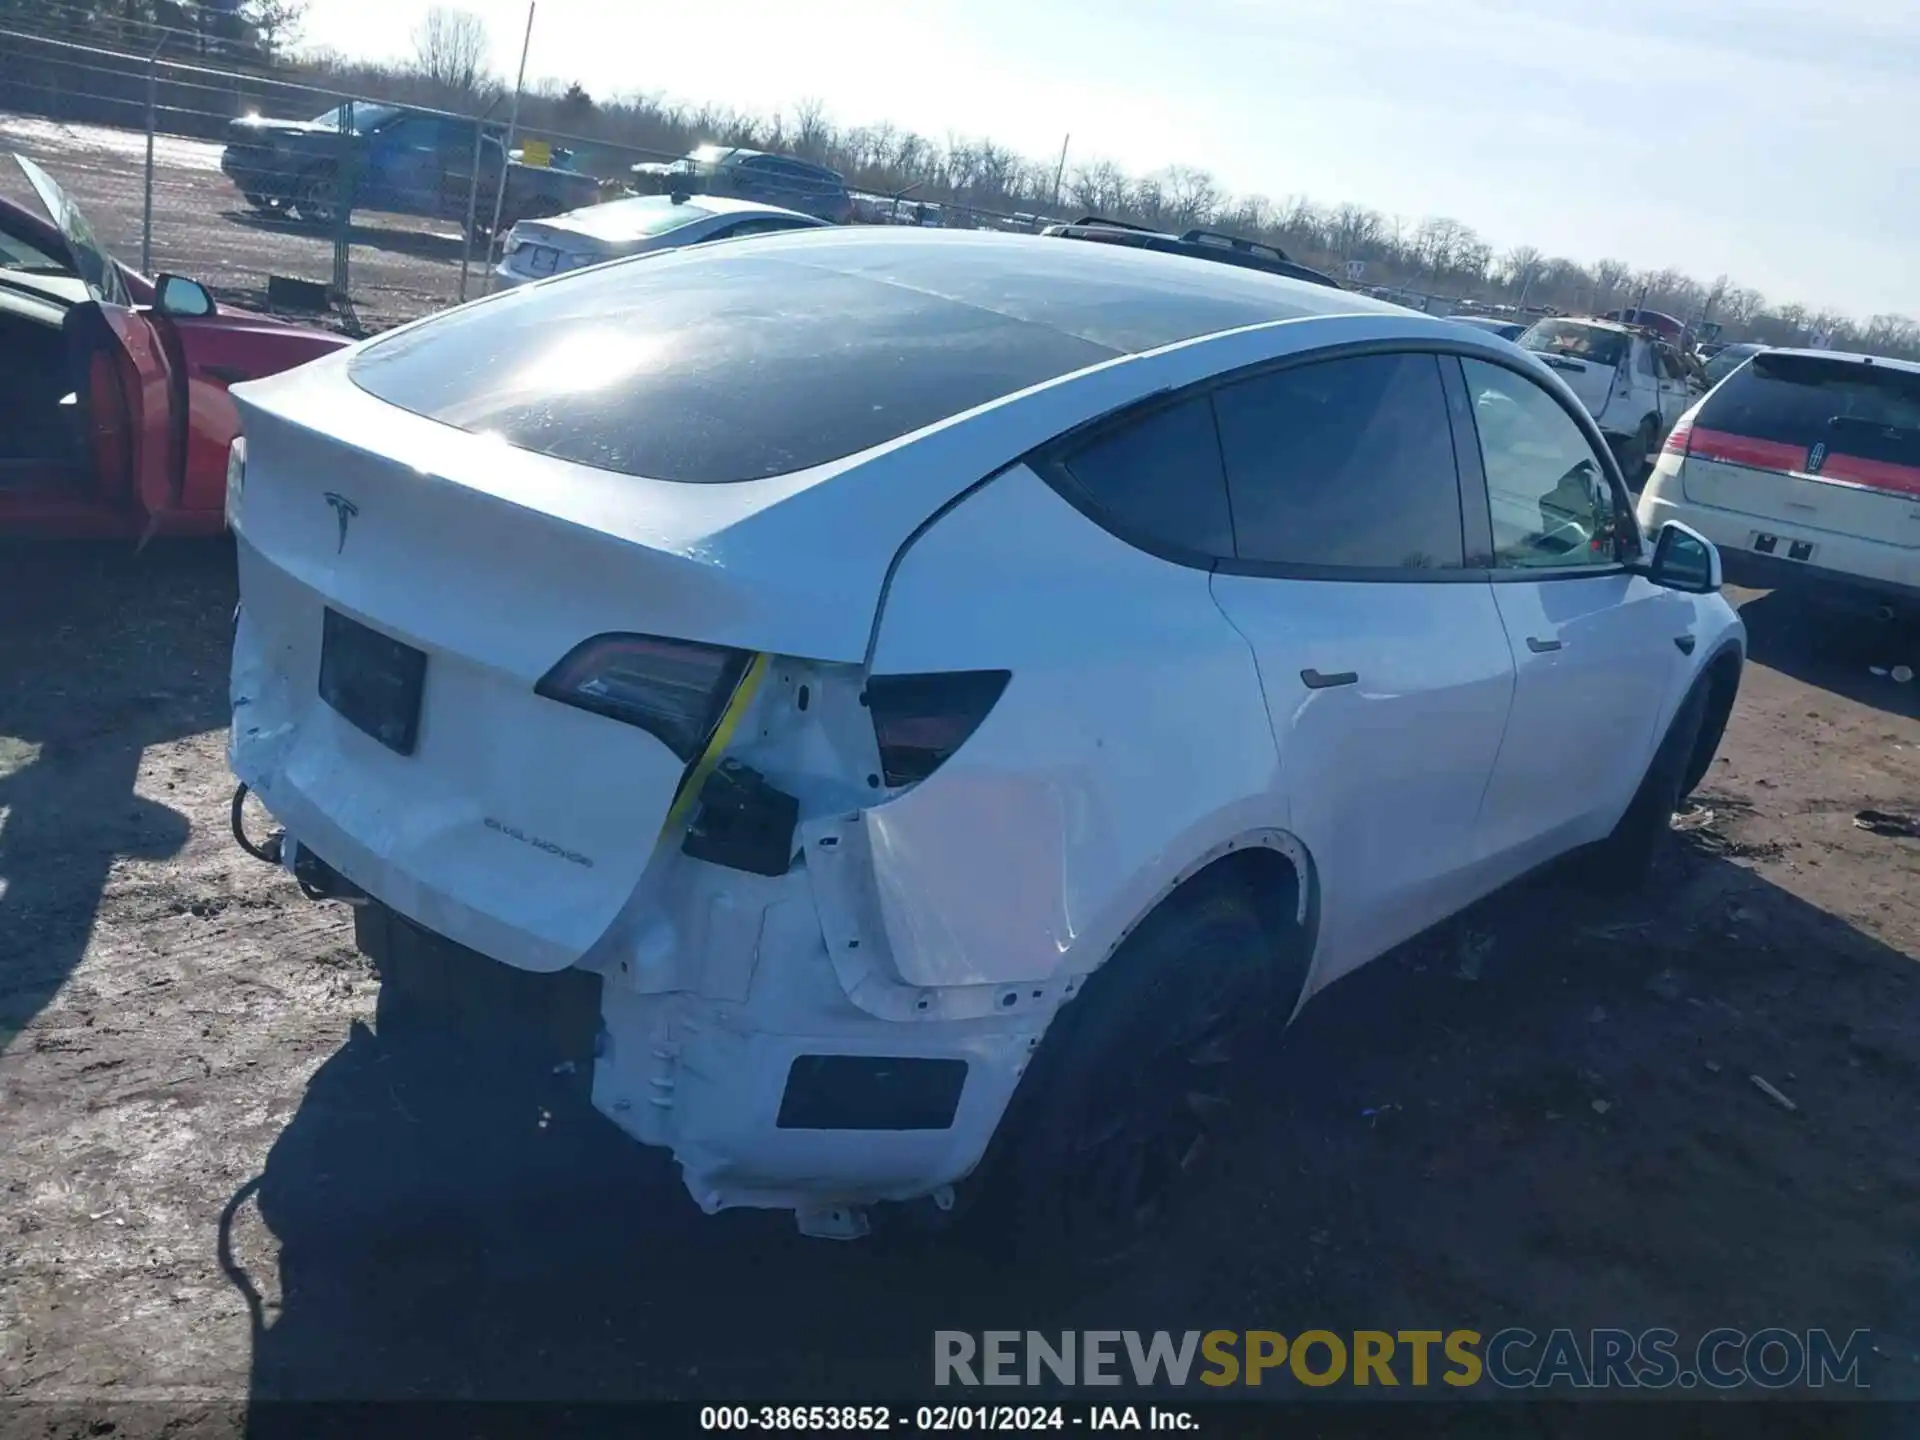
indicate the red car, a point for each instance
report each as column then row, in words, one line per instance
column 114, row 412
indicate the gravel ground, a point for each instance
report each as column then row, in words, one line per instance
column 401, row 268
column 219, row 1181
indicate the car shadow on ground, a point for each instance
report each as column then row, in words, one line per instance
column 444, row 245
column 1843, row 653
column 103, row 653
column 1539, row 1114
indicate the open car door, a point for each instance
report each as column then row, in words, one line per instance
column 124, row 383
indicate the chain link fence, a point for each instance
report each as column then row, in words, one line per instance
column 280, row 195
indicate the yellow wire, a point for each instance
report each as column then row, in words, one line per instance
column 710, row 757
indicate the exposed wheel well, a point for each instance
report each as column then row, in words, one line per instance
column 1271, row 878
column 1722, row 679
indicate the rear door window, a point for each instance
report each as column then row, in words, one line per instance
column 1591, row 343
column 1346, row 464
column 1157, row 482
column 1847, row 410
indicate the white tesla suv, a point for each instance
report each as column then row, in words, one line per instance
column 940, row 686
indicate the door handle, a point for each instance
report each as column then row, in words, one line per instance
column 1685, row 642
column 1314, row 680
column 1541, row 647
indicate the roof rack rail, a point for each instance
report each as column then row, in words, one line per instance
column 1235, row 242
column 1112, row 224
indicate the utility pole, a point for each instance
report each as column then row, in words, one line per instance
column 506, row 148
column 1060, row 170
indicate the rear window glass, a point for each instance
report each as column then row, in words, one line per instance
column 1577, row 342
column 717, row 372
column 644, row 215
column 1871, row 411
column 737, row 362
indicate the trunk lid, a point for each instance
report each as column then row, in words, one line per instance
column 1818, row 442
column 518, row 825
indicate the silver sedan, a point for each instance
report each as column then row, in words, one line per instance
column 536, row 249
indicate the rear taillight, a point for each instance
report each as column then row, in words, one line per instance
column 1679, row 439
column 673, row 689
column 920, row 720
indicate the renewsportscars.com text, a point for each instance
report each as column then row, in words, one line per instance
column 1514, row 1358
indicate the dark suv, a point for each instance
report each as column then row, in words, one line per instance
column 1200, row 244
column 406, row 162
column 756, row 175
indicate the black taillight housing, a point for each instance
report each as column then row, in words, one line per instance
column 920, row 720
column 675, row 690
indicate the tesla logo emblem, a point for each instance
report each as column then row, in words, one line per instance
column 343, row 510
column 1816, row 457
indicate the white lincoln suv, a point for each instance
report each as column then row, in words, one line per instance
column 942, row 688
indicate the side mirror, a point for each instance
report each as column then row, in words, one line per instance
column 1685, row 560
column 177, row 295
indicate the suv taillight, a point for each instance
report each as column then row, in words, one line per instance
column 1679, row 439
column 920, row 720
column 673, row 689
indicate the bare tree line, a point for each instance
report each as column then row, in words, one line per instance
column 1435, row 255
column 1438, row 255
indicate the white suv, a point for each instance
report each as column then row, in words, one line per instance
column 942, row 687
column 1634, row 386
column 1804, row 465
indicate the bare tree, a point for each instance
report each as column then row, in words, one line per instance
column 1191, row 195
column 1522, row 267
column 1353, row 231
column 1608, row 277
column 1438, row 243
column 1889, row 334
column 450, row 48
column 812, row 132
column 276, row 23
column 1099, row 187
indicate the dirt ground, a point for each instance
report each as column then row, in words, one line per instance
column 218, row 1181
column 400, row 268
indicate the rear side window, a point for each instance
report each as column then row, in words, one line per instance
column 1347, row 463
column 1869, row 411
column 1577, row 342
column 1158, row 481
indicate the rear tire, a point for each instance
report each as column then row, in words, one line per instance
column 1112, row 1120
column 1635, row 462
column 1622, row 862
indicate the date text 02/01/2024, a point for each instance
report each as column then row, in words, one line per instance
column 940, row 1419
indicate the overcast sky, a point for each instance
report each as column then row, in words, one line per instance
column 1768, row 139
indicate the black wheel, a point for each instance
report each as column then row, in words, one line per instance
column 1114, row 1118
column 315, row 199
column 1623, row 860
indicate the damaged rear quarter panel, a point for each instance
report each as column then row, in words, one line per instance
column 1131, row 740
